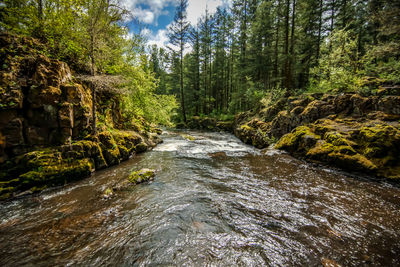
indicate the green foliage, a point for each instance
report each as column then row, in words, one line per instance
column 142, row 101
column 254, row 93
column 338, row 64
column 90, row 36
column 378, row 64
column 67, row 28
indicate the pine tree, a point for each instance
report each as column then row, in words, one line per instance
column 178, row 35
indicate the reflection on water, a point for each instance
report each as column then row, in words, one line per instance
column 214, row 201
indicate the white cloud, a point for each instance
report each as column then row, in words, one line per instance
column 145, row 32
column 148, row 15
column 160, row 39
column 197, row 8
column 145, row 16
column 156, row 8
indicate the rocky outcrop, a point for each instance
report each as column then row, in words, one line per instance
column 45, row 122
column 40, row 169
column 348, row 131
column 372, row 147
column 40, row 103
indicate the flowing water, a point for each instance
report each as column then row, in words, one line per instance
column 214, row 202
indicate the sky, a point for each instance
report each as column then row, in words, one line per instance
column 156, row 15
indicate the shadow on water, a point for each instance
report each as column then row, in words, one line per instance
column 214, row 201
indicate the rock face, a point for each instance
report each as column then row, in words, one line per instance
column 349, row 131
column 40, row 103
column 45, row 119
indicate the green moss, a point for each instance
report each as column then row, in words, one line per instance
column 5, row 195
column 12, row 182
column 142, row 175
column 390, row 172
column 124, row 152
column 352, row 162
column 56, row 174
column 380, row 135
column 188, row 137
column 292, row 140
column 107, row 140
column 32, row 177
column 336, row 139
column 108, row 191
column 5, row 190
column 36, row 189
column 320, row 150
column 246, row 127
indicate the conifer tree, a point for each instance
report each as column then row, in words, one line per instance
column 178, row 36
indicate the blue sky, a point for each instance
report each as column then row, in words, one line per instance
column 156, row 15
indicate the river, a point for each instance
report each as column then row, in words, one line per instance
column 214, row 202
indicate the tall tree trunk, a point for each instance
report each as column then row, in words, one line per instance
column 276, row 71
column 181, row 83
column 344, row 13
column 232, row 70
column 286, row 66
column 210, row 94
column 40, row 11
column 333, row 14
column 333, row 7
column 93, row 73
column 291, row 54
column 319, row 30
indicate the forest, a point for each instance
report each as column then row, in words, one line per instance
column 229, row 60
column 232, row 59
column 271, row 130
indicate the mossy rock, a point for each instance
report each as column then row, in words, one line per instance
column 188, row 137
column 157, row 131
column 141, row 147
column 355, row 162
column 124, row 152
column 245, row 133
column 377, row 140
column 85, row 149
column 42, row 171
column 141, row 176
column 112, row 155
column 225, row 125
column 109, row 148
column 246, row 127
column 108, row 193
column 56, row 174
column 301, row 137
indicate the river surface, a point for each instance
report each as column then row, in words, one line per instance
column 214, row 202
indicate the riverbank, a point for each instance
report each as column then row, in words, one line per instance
column 46, row 118
column 348, row 131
